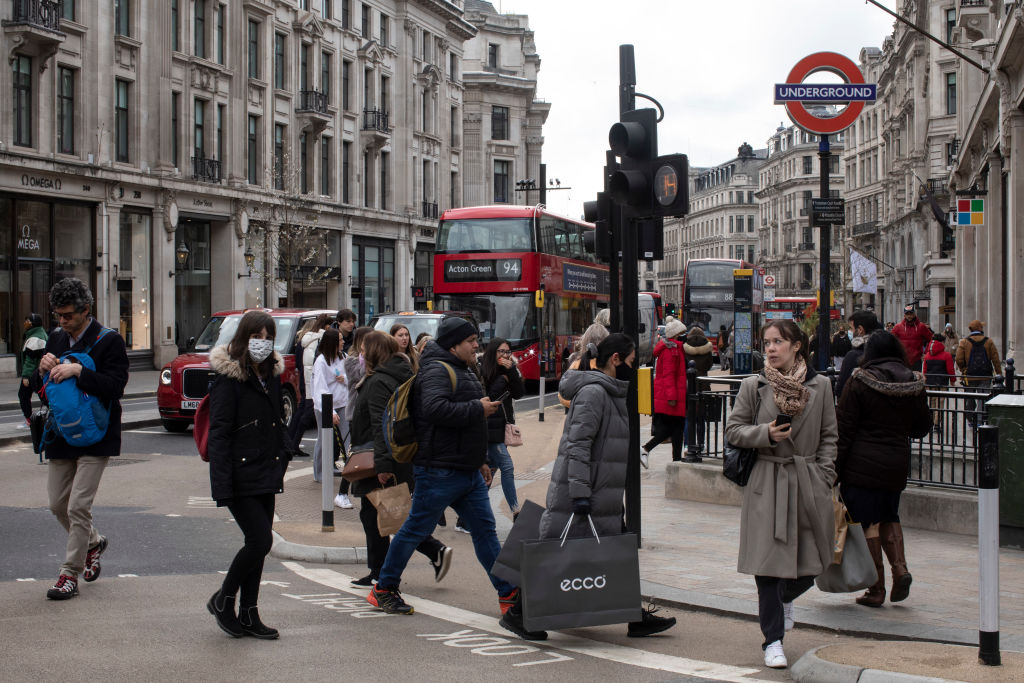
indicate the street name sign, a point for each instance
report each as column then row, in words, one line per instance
column 828, row 211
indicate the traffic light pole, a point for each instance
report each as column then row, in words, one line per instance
column 615, row 230
column 627, row 242
column 824, row 263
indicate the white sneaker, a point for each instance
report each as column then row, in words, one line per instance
column 787, row 611
column 341, row 500
column 774, row 657
column 644, row 455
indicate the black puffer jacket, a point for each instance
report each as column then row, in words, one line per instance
column 882, row 408
column 368, row 425
column 248, row 442
column 698, row 349
column 508, row 379
column 450, row 424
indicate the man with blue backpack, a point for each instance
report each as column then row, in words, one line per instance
column 82, row 376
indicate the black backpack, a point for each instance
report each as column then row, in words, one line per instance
column 978, row 362
column 935, row 372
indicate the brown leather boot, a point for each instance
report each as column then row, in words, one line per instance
column 875, row 595
column 891, row 534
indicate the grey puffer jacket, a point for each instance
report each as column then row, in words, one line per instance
column 591, row 460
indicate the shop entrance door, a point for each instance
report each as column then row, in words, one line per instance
column 33, row 296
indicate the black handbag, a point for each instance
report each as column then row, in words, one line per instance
column 737, row 463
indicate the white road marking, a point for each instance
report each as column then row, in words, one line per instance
column 279, row 584
column 201, row 502
column 172, row 515
column 24, row 579
column 127, row 576
column 583, row 646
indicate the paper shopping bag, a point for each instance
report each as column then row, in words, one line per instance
column 842, row 523
column 393, row 504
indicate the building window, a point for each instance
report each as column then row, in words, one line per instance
column 384, row 163
column 278, row 156
column 65, row 110
column 220, row 136
column 384, row 28
column 252, row 151
column 427, row 39
column 221, row 10
column 325, row 75
column 121, row 118
column 750, row 224
column 304, row 67
column 808, row 165
column 22, row 100
column 951, row 93
column 750, row 252
column 346, row 84
column 492, row 55
column 175, row 26
column 365, row 25
column 833, row 166
column 385, row 93
column 199, row 29
column 950, row 25
column 303, row 163
column 453, row 66
column 199, row 122
column 453, row 191
column 732, row 224
column 279, row 61
column 175, row 116
column 254, row 49
column 501, row 178
column 325, row 166
column 346, row 14
column 366, row 179
column 346, row 156
column 67, row 9
column 499, row 123
column 454, row 141
column 121, row 18
column 328, row 10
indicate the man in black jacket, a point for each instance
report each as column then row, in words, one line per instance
column 75, row 472
column 862, row 324
column 450, row 410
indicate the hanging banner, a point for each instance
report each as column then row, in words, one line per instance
column 865, row 273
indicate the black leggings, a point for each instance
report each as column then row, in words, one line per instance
column 25, row 398
column 255, row 517
column 303, row 419
column 665, row 426
column 377, row 545
column 771, row 593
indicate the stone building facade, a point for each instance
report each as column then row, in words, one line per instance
column 165, row 151
column 503, row 120
column 787, row 181
column 988, row 164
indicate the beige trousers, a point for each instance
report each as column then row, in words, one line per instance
column 72, row 486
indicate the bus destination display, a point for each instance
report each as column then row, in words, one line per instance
column 484, row 270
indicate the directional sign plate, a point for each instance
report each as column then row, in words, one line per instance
column 828, row 211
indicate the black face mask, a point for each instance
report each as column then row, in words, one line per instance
column 623, row 372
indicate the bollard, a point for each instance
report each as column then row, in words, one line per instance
column 988, row 545
column 540, row 408
column 327, row 462
column 1010, row 381
column 693, row 449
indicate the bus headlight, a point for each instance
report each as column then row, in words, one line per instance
column 165, row 376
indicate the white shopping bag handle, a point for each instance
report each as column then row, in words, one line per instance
column 565, row 531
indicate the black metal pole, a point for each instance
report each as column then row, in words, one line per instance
column 824, row 263
column 544, row 184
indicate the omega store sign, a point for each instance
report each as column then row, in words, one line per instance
column 48, row 186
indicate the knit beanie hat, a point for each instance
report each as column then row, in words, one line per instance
column 453, row 331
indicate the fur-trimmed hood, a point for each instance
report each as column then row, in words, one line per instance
column 891, row 377
column 224, row 364
column 697, row 345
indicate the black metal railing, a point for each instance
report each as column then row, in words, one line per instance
column 42, row 13
column 375, row 119
column 973, row 3
column 207, row 170
column 947, row 457
column 865, row 228
column 429, row 210
column 806, row 246
column 937, row 186
column 312, row 100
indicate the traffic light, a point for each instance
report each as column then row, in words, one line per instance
column 648, row 185
column 670, row 309
column 599, row 241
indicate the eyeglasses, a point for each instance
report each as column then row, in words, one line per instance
column 504, row 352
column 65, row 316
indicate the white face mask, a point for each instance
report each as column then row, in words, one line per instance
column 260, row 349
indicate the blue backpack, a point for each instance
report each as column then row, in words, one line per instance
column 80, row 419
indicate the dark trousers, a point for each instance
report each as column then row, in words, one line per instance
column 377, row 545
column 255, row 516
column 303, row 419
column 665, row 426
column 771, row 593
column 25, row 398
column 975, row 414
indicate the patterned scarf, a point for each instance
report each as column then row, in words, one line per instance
column 790, row 394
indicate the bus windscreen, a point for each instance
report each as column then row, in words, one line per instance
column 485, row 234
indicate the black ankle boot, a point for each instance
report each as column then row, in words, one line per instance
column 249, row 620
column 223, row 609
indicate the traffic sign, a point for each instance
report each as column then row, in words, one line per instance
column 828, row 211
column 769, row 281
column 794, row 93
column 769, row 293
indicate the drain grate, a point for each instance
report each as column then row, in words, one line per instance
column 114, row 462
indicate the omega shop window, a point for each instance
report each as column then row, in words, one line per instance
column 134, row 284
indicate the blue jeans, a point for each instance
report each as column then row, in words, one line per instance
column 438, row 488
column 499, row 459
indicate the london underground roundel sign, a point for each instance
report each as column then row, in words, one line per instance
column 796, row 94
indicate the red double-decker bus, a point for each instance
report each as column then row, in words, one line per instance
column 494, row 260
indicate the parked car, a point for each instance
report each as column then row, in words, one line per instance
column 186, row 379
column 418, row 322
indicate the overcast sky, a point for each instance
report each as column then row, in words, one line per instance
column 711, row 63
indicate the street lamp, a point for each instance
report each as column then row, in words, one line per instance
column 250, row 258
column 180, row 256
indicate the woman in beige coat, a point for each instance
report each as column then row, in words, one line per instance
column 786, row 528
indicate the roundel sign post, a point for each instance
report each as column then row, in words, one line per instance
column 796, row 94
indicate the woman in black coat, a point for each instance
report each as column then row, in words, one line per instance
column 386, row 370
column 501, row 375
column 882, row 407
column 249, row 452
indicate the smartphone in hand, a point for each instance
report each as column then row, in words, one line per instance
column 782, row 419
column 501, row 399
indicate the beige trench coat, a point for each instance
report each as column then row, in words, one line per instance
column 786, row 527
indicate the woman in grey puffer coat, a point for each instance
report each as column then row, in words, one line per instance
column 589, row 476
